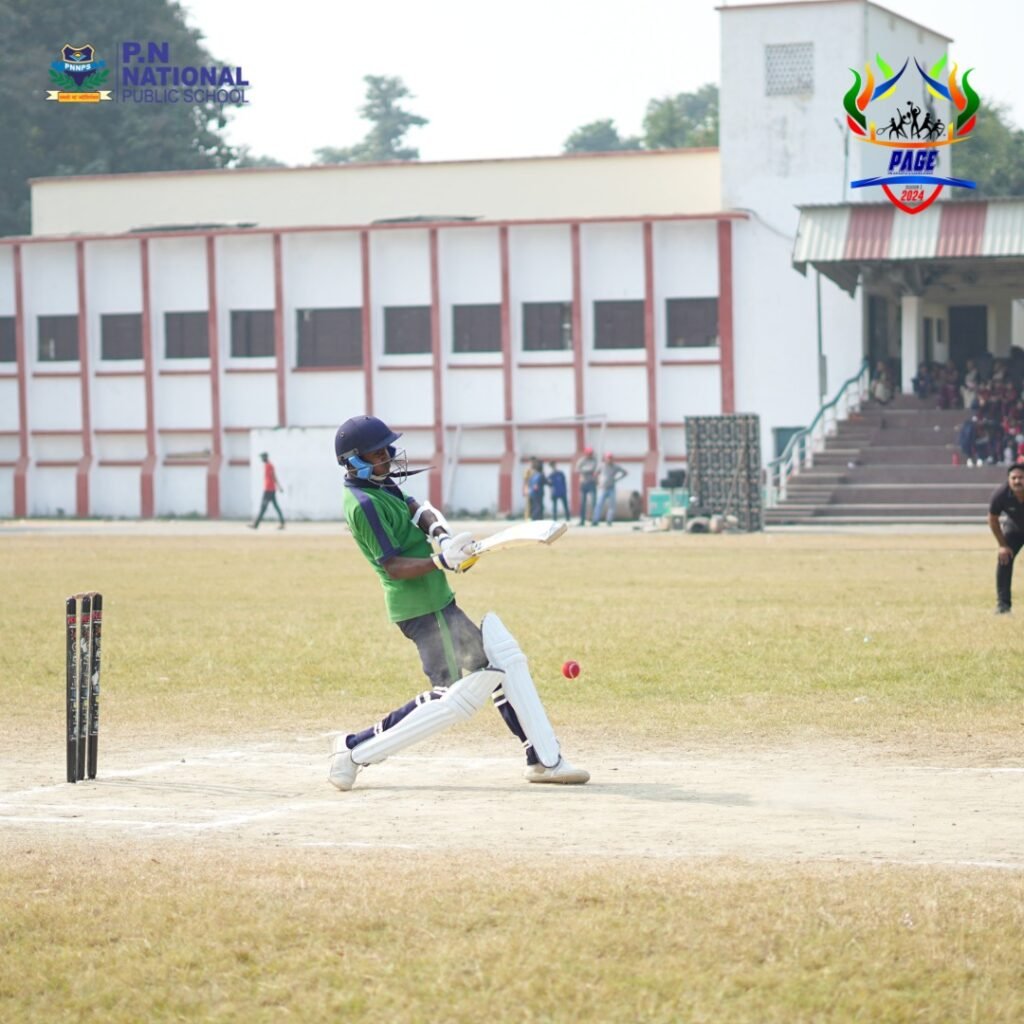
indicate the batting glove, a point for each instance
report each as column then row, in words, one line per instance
column 456, row 553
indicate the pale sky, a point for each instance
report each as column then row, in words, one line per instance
column 513, row 79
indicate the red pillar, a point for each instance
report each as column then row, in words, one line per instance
column 364, row 245
column 436, row 479
column 146, row 482
column 725, row 336
column 577, row 353
column 650, row 478
column 508, row 459
column 85, row 462
column 22, row 465
column 279, row 347
column 213, row 333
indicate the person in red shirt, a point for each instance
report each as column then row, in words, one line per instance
column 271, row 486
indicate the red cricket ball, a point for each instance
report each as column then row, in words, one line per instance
column 571, row 669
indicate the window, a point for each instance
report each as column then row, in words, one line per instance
column 8, row 351
column 619, row 324
column 692, row 323
column 789, row 69
column 186, row 336
column 58, row 339
column 476, row 328
column 252, row 333
column 329, row 337
column 406, row 330
column 121, row 336
column 547, row 326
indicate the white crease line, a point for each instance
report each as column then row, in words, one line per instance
column 85, row 822
column 964, row 771
column 85, row 809
column 82, row 820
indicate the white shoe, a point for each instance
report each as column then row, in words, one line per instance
column 343, row 769
column 563, row 773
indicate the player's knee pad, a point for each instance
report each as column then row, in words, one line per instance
column 461, row 701
column 469, row 694
column 505, row 654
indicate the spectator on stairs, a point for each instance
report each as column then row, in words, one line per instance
column 965, row 439
column 881, row 387
column 949, row 388
column 969, row 388
column 924, row 382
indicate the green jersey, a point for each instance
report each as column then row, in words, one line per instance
column 383, row 529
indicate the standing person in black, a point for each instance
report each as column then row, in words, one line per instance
column 1007, row 502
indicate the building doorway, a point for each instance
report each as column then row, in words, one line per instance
column 968, row 333
column 878, row 331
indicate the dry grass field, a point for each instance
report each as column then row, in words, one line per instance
column 806, row 803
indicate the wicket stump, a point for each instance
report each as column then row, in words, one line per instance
column 83, row 615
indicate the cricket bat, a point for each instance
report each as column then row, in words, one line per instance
column 539, row 531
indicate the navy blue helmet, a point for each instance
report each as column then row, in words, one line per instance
column 359, row 435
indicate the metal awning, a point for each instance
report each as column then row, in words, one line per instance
column 946, row 246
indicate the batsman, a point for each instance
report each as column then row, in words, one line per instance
column 412, row 549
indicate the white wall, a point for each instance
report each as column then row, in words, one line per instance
column 888, row 34
column 532, row 188
column 780, row 151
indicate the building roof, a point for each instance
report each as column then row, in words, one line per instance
column 679, row 182
column 819, row 3
column 841, row 239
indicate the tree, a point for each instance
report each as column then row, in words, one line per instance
column 992, row 156
column 389, row 121
column 674, row 122
column 599, row 137
column 245, row 157
column 678, row 122
column 41, row 138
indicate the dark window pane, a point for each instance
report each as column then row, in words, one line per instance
column 619, row 324
column 406, row 330
column 187, row 335
column 252, row 333
column 58, row 339
column 329, row 337
column 476, row 328
column 692, row 323
column 547, row 326
column 8, row 352
column 121, row 336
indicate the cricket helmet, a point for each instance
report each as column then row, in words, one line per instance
column 359, row 435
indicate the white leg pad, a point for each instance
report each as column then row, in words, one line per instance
column 464, row 698
column 504, row 653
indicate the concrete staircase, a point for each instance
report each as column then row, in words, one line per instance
column 891, row 464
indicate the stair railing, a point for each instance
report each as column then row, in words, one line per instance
column 806, row 443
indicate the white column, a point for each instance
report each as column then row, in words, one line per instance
column 911, row 347
column 1000, row 327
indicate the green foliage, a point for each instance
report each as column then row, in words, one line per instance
column 673, row 122
column 41, row 138
column 599, row 137
column 678, row 122
column 389, row 124
column 993, row 155
column 245, row 157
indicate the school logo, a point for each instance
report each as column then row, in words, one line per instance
column 78, row 76
column 913, row 137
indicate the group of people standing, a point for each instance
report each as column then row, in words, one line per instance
column 597, row 479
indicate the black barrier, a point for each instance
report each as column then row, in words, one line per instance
column 724, row 463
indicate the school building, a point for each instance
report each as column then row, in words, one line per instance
column 158, row 330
